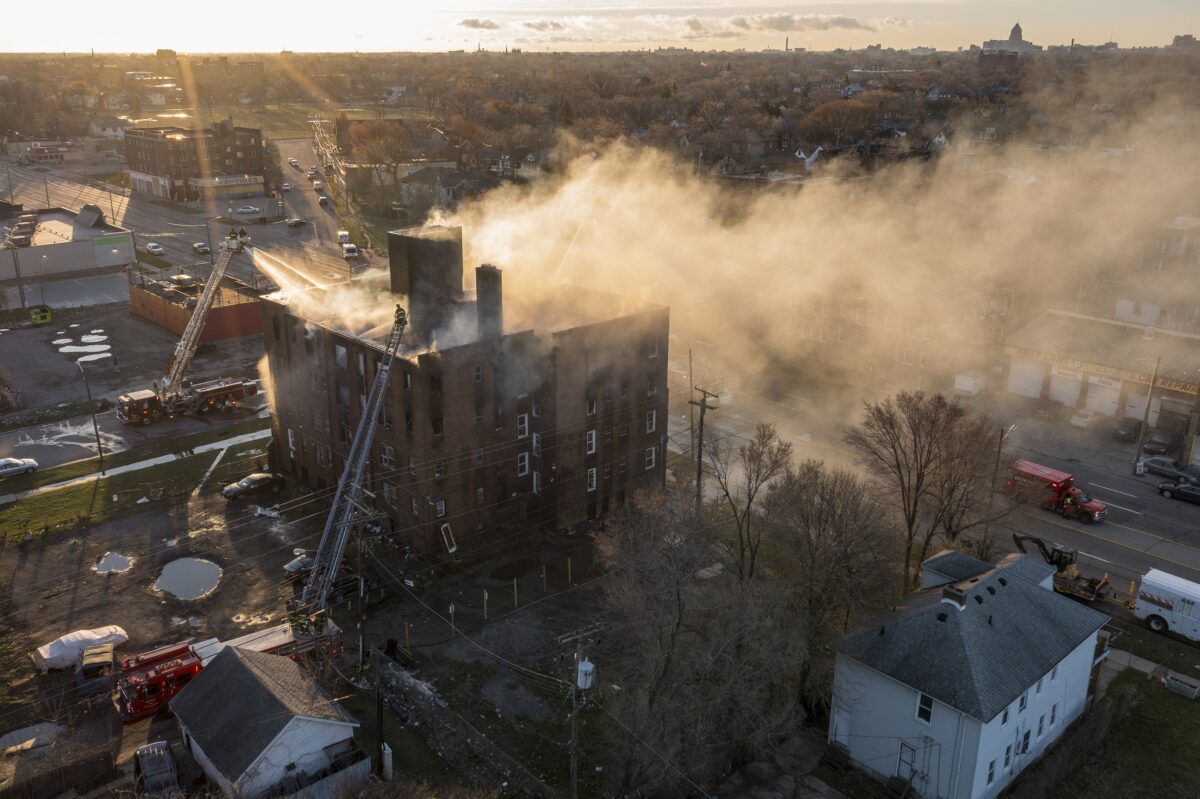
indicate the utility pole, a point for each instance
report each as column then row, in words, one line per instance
column 46, row 183
column 704, row 406
column 691, row 412
column 1141, row 438
column 92, row 410
column 362, row 604
column 987, row 520
column 575, row 719
column 17, row 271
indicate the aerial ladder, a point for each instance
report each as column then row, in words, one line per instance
column 169, row 397
column 1067, row 579
column 346, row 508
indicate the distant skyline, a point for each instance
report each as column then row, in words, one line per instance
column 538, row 25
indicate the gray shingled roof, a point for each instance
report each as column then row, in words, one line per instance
column 956, row 565
column 979, row 659
column 242, row 700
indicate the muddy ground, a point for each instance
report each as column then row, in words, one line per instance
column 44, row 374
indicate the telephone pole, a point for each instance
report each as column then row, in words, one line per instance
column 1141, row 437
column 575, row 720
column 704, row 406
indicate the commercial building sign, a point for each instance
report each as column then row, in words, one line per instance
column 1168, row 383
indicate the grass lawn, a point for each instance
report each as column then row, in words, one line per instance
column 412, row 756
column 1151, row 753
column 67, row 471
column 284, row 121
column 109, row 497
column 153, row 260
column 1172, row 652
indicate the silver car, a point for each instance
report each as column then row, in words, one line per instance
column 13, row 466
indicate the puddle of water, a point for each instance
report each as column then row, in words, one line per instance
column 189, row 578
column 58, row 342
column 97, row 330
column 75, row 325
column 252, row 618
column 96, row 357
column 113, row 563
column 93, row 339
column 86, row 348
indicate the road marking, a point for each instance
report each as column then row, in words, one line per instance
column 1094, row 557
column 1172, row 561
column 1122, row 507
column 1115, row 491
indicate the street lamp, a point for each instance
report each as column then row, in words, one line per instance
column 17, row 271
column 95, row 428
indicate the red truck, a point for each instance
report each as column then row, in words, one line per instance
column 146, row 406
column 149, row 680
column 1054, row 490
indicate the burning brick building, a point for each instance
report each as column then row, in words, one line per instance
column 543, row 414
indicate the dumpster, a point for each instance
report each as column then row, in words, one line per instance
column 41, row 314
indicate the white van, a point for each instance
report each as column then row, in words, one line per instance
column 349, row 252
column 1168, row 602
column 343, row 237
column 318, row 185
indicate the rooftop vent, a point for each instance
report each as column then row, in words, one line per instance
column 941, row 617
column 979, row 599
column 1003, row 582
column 991, row 589
column 954, row 594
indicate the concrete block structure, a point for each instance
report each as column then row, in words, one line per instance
column 502, row 415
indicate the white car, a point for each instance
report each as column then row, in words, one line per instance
column 12, row 466
column 249, row 209
column 154, row 248
column 1086, row 417
column 286, row 187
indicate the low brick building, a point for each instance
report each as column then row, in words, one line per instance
column 169, row 304
column 493, row 423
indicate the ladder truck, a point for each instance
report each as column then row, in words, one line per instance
column 172, row 397
column 149, row 680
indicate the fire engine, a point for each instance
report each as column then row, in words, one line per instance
column 172, row 396
column 149, row 680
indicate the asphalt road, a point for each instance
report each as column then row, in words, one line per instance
column 306, row 254
column 73, row 439
column 1143, row 530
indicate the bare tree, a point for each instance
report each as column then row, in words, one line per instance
column 706, row 661
column 834, row 555
column 742, row 477
column 931, row 459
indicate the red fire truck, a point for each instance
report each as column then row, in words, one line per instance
column 1054, row 490
column 149, row 680
column 146, row 406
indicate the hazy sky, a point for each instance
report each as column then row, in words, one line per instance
column 374, row 25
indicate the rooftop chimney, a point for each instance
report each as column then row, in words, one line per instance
column 954, row 595
column 489, row 301
column 426, row 266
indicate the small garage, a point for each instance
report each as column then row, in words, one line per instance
column 1026, row 377
column 1135, row 404
column 1066, row 385
column 1104, row 395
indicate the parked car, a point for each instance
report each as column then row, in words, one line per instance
column 349, row 252
column 318, row 186
column 294, row 162
column 12, row 466
column 154, row 248
column 1188, row 492
column 249, row 209
column 298, row 566
column 1127, row 429
column 200, row 248
column 286, row 187
column 297, row 222
column 155, row 772
column 1160, row 444
column 1160, row 464
column 95, row 673
column 1086, row 417
column 254, row 484
column 322, row 200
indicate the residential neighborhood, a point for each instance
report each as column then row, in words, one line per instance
column 513, row 401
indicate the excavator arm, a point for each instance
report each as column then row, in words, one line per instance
column 1061, row 559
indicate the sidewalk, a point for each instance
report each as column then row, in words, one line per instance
column 1118, row 660
column 139, row 465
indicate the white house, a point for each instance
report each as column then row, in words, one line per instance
column 256, row 724
column 963, row 685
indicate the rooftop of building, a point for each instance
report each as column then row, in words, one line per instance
column 978, row 644
column 176, row 132
column 564, row 307
column 61, row 226
column 1130, row 347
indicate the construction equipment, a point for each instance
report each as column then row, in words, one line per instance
column 171, row 397
column 1067, row 579
column 345, row 510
